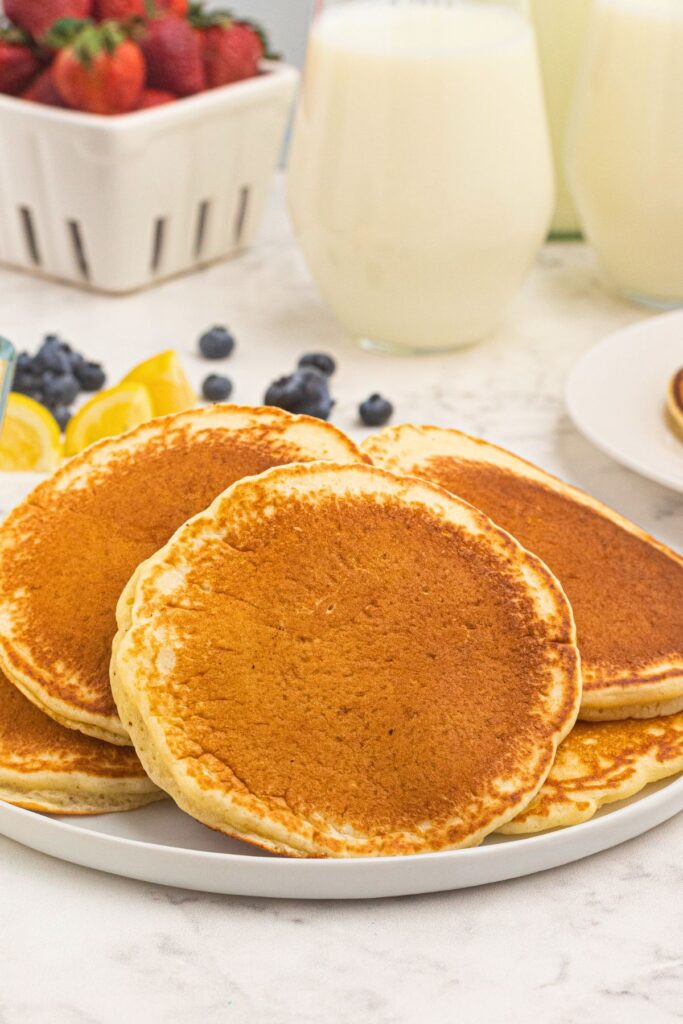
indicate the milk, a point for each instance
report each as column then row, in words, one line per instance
column 560, row 32
column 626, row 146
column 420, row 181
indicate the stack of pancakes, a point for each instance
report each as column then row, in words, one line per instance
column 327, row 650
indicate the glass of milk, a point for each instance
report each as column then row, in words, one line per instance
column 560, row 33
column 626, row 146
column 420, row 177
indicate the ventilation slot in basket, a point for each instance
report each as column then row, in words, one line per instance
column 78, row 246
column 30, row 236
column 202, row 222
column 241, row 216
column 158, row 243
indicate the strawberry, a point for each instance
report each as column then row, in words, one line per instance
column 154, row 98
column 100, row 70
column 121, row 10
column 231, row 50
column 38, row 16
column 43, row 90
column 18, row 62
column 230, row 53
column 173, row 56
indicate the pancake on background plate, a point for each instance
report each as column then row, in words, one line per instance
column 334, row 661
column 45, row 767
column 598, row 763
column 674, row 402
column 625, row 588
column 69, row 548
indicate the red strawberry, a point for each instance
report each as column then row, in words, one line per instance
column 173, row 56
column 230, row 53
column 121, row 10
column 18, row 63
column 43, row 90
column 100, row 71
column 155, row 98
column 37, row 16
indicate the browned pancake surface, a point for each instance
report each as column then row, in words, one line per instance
column 371, row 767
column 625, row 593
column 31, row 742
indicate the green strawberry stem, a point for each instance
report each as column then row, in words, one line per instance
column 200, row 18
column 12, row 34
column 85, row 39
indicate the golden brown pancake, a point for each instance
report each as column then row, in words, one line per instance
column 624, row 587
column 68, row 550
column 334, row 661
column 675, row 402
column 45, row 767
column 598, row 763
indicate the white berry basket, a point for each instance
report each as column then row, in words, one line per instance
column 120, row 203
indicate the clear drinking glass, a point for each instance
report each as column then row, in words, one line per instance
column 7, row 359
column 420, row 177
column 625, row 153
column 560, row 34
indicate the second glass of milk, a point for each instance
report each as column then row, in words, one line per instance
column 420, row 178
column 626, row 146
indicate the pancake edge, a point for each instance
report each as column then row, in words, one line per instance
column 166, row 776
column 100, row 727
column 632, row 694
column 674, row 408
column 583, row 805
column 76, row 793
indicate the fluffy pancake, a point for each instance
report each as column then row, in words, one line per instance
column 675, row 402
column 624, row 587
column 69, row 549
column 598, row 763
column 334, row 661
column 48, row 768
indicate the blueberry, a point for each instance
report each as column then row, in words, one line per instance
column 216, row 388
column 26, row 382
column 90, row 376
column 62, row 415
column 76, row 361
column 375, row 411
column 320, row 361
column 52, row 357
column 24, row 363
column 216, row 343
column 60, row 390
column 304, row 391
column 54, row 341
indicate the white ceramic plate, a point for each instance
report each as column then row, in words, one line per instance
column 161, row 844
column 616, row 396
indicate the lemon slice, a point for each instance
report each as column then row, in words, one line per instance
column 110, row 412
column 30, row 438
column 166, row 381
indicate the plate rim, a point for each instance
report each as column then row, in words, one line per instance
column 48, row 834
column 635, row 465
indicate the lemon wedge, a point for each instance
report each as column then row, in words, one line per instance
column 108, row 413
column 30, row 438
column 166, row 381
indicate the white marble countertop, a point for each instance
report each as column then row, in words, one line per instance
column 598, row 941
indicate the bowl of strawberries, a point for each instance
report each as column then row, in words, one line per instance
column 140, row 137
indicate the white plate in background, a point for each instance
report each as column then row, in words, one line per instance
column 160, row 844
column 616, row 396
